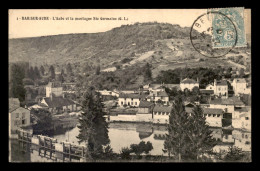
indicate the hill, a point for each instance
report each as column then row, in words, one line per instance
column 163, row 45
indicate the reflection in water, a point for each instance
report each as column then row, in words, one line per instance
column 125, row 134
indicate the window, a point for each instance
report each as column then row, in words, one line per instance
column 246, row 136
column 122, row 103
column 132, row 99
column 247, row 142
column 205, row 115
column 23, row 121
column 209, row 115
column 128, row 103
column 247, row 118
column 214, row 115
column 218, row 115
column 131, row 103
column 135, row 103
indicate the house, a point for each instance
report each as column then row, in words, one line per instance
column 240, row 86
column 158, row 96
column 213, row 116
column 161, row 114
column 220, row 88
column 54, row 88
column 108, row 93
column 144, row 113
column 188, row 84
column 18, row 116
column 242, row 140
column 130, row 99
column 242, row 119
column 58, row 105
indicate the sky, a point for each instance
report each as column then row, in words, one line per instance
column 19, row 28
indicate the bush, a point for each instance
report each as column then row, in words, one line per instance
column 28, row 81
column 125, row 153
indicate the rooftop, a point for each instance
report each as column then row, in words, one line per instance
column 203, row 91
column 161, row 108
column 145, row 104
column 159, row 94
column 132, row 95
column 188, row 81
column 205, row 110
column 239, row 80
column 228, row 101
column 58, row 101
column 222, row 82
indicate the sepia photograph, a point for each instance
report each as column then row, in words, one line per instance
column 129, row 85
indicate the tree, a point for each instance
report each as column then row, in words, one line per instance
column 148, row 72
column 16, row 87
column 176, row 142
column 93, row 128
column 98, row 70
column 234, row 154
column 200, row 136
column 42, row 70
column 36, row 73
column 69, row 69
column 52, row 72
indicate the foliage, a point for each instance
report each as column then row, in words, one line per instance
column 206, row 75
column 52, row 72
column 200, row 136
column 176, row 142
column 93, row 129
column 45, row 119
column 188, row 135
column 142, row 147
column 125, row 153
column 234, row 154
column 16, row 86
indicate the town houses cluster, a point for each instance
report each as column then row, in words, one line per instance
column 150, row 103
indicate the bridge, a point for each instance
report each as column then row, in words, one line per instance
column 50, row 148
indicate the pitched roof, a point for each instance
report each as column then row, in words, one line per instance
column 212, row 111
column 203, row 91
column 159, row 94
column 14, row 103
column 188, row 81
column 10, row 111
column 222, row 82
column 58, row 102
column 132, row 95
column 161, row 108
column 240, row 80
column 145, row 104
column 205, row 110
column 228, row 101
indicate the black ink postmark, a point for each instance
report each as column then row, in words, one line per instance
column 204, row 36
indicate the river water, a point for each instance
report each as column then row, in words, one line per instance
column 125, row 134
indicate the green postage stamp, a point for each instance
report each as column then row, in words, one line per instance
column 228, row 28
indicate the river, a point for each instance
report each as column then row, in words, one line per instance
column 125, row 134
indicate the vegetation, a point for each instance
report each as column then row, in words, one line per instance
column 188, row 135
column 44, row 119
column 205, row 75
column 16, row 86
column 93, row 129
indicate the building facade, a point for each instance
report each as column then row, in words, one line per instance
column 188, row 84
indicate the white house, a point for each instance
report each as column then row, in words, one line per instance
column 240, row 86
column 156, row 96
column 18, row 116
column 54, row 88
column 130, row 99
column 108, row 93
column 144, row 113
column 213, row 116
column 220, row 88
column 188, row 84
column 161, row 114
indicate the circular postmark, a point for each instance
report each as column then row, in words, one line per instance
column 213, row 34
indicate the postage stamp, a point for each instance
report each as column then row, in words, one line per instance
column 213, row 39
column 223, row 30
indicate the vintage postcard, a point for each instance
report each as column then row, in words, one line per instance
column 130, row 85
